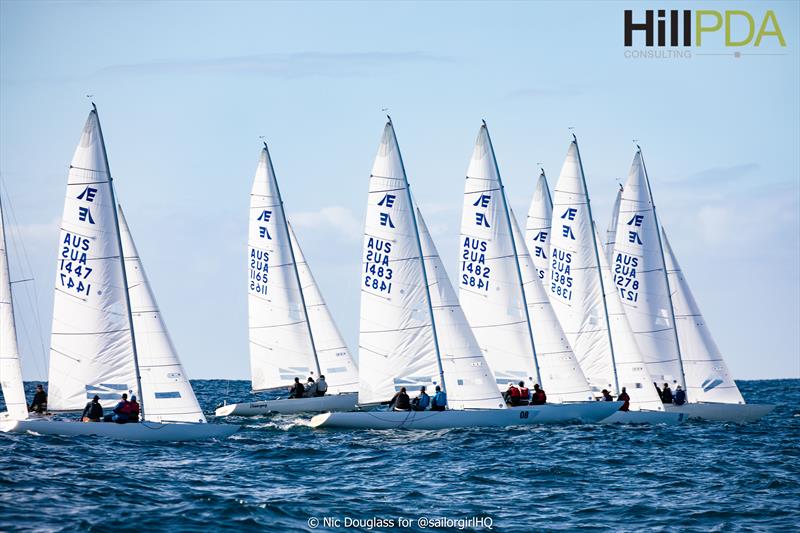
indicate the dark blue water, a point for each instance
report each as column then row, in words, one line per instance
column 276, row 474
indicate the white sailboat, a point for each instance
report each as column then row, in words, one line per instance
column 502, row 296
column 10, row 368
column 292, row 333
column 584, row 299
column 108, row 336
column 413, row 331
column 537, row 228
column 660, row 306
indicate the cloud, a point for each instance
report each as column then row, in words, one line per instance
column 285, row 66
column 340, row 220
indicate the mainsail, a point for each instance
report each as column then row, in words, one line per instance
column 335, row 361
column 707, row 376
column 166, row 391
column 537, row 228
column 397, row 337
column 10, row 369
column 641, row 279
column 575, row 286
column 91, row 349
column 281, row 341
column 611, row 231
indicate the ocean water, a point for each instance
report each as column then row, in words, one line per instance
column 276, row 474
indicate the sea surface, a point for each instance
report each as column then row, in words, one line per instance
column 277, row 474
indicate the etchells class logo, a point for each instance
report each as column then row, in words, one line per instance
column 682, row 34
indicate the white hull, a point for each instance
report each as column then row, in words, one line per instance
column 145, row 431
column 517, row 416
column 645, row 417
column 334, row 402
column 723, row 412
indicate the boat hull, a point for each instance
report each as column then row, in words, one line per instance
column 645, row 417
column 517, row 416
column 320, row 404
column 740, row 413
column 143, row 431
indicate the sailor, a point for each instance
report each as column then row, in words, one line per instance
column 439, row 401
column 120, row 414
column 39, row 403
column 666, row 394
column 297, row 389
column 539, row 397
column 400, row 401
column 680, row 396
column 624, row 397
column 512, row 395
column 524, row 393
column 133, row 410
column 322, row 386
column 607, row 396
column 311, row 388
column 93, row 412
column 422, row 401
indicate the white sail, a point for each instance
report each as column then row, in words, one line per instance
column 335, row 361
column 10, row 369
column 562, row 376
column 167, row 395
column 611, row 231
column 470, row 381
column 707, row 376
column 281, row 346
column 396, row 338
column 490, row 289
column 640, row 278
column 91, row 347
column 537, row 228
column 574, row 287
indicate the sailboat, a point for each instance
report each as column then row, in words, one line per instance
column 503, row 297
column 413, row 330
column 108, row 336
column 537, row 228
column 292, row 332
column 665, row 318
column 582, row 294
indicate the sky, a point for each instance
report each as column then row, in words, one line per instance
column 186, row 90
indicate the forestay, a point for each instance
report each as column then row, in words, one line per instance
column 91, row 347
column 562, row 376
column 335, row 361
column 707, row 376
column 537, row 228
column 640, row 279
column 575, row 287
column 10, row 369
column 166, row 392
column 490, row 289
column 396, row 338
column 281, row 345
column 470, row 382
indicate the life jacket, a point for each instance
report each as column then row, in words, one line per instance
column 524, row 393
column 322, row 386
column 402, row 401
column 133, row 408
column 423, row 401
column 122, row 408
column 513, row 392
column 439, row 399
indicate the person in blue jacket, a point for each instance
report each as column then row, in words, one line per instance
column 680, row 396
column 439, row 400
column 422, row 401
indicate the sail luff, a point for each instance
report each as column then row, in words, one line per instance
column 611, row 232
column 10, row 367
column 666, row 275
column 421, row 258
column 597, row 262
column 516, row 255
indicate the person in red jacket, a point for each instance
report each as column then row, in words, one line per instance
column 524, row 393
column 512, row 395
column 624, row 397
column 539, row 397
column 133, row 410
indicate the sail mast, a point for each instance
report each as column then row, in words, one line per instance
column 421, row 258
column 666, row 274
column 516, row 257
column 597, row 262
column 122, row 265
column 294, row 263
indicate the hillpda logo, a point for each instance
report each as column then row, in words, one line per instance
column 678, row 34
